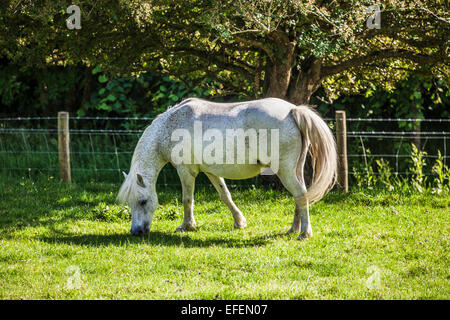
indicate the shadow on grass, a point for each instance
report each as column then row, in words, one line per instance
column 336, row 197
column 158, row 238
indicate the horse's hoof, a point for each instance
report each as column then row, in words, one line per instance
column 185, row 227
column 304, row 236
column 240, row 225
column 292, row 230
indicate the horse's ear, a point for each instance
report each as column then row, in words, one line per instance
column 140, row 180
column 124, row 174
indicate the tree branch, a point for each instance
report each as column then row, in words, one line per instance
column 240, row 68
column 380, row 55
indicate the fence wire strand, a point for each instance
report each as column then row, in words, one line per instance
column 26, row 147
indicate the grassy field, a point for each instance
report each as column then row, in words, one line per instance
column 73, row 242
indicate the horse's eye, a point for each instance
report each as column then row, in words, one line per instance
column 143, row 202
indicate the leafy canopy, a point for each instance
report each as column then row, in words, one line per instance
column 257, row 47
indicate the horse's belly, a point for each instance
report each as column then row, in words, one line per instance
column 234, row 171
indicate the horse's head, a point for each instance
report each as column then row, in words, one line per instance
column 142, row 200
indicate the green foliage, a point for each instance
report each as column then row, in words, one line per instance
column 384, row 171
column 111, row 213
column 419, row 179
column 368, row 178
column 14, row 90
column 143, row 95
column 433, row 104
column 245, row 47
column 417, row 97
column 165, row 91
column 30, row 92
column 363, row 172
column 111, row 96
column 10, row 88
column 442, row 181
column 92, row 92
column 171, row 212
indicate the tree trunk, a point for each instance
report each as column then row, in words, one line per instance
column 295, row 86
column 305, row 82
column 280, row 71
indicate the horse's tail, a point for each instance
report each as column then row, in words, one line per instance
column 322, row 147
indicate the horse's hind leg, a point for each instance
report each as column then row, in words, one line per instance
column 187, row 183
column 219, row 183
column 297, row 188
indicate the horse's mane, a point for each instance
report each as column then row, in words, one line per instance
column 128, row 192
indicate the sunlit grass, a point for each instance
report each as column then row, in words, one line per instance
column 366, row 245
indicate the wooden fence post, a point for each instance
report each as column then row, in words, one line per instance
column 63, row 146
column 341, row 137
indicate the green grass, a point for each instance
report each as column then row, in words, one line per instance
column 373, row 245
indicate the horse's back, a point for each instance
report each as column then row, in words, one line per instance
column 267, row 113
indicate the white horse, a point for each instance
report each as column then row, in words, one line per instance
column 300, row 130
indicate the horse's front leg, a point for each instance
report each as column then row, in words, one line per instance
column 219, row 183
column 187, row 183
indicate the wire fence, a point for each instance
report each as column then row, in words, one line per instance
column 29, row 146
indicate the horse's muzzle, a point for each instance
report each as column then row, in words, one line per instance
column 140, row 230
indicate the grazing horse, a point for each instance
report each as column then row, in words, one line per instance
column 297, row 129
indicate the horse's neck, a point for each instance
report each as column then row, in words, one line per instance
column 147, row 159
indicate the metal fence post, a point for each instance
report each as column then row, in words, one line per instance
column 63, row 146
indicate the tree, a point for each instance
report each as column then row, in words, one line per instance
column 284, row 49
